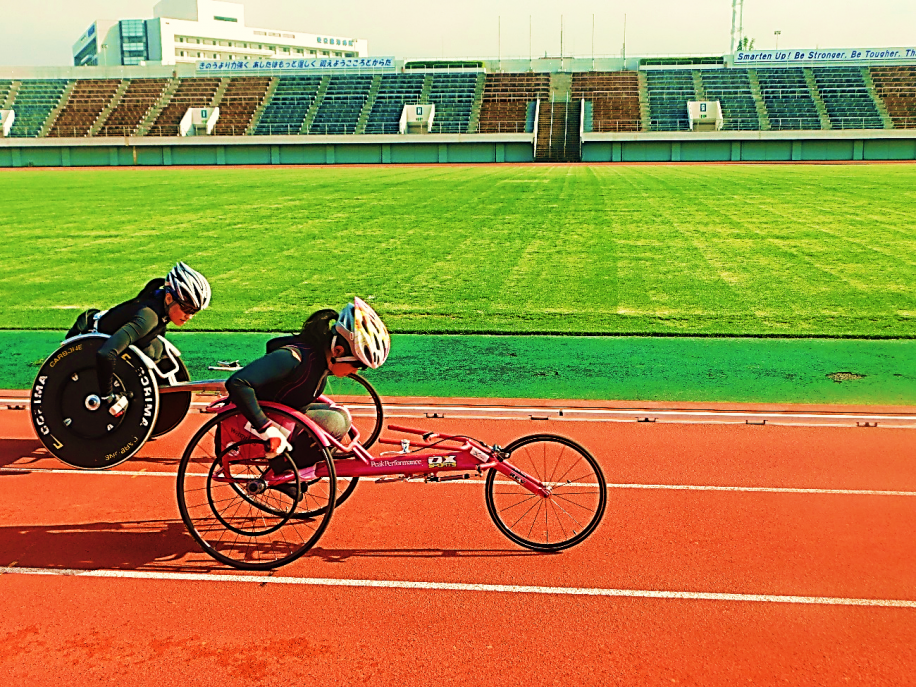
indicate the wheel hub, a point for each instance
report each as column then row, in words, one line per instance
column 255, row 487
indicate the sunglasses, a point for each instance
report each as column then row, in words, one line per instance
column 187, row 308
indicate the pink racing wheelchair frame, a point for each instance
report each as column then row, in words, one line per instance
column 472, row 455
column 568, row 495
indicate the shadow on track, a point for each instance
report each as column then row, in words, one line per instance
column 21, row 451
column 343, row 555
column 137, row 545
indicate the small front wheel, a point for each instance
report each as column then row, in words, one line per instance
column 572, row 511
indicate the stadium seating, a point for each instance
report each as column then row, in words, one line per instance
column 86, row 102
column 897, row 88
column 342, row 104
column 136, row 102
column 846, row 97
column 192, row 92
column 788, row 99
column 614, row 98
column 395, row 90
column 243, row 96
column 732, row 88
column 506, row 97
column 34, row 102
column 287, row 108
column 454, row 95
column 669, row 91
column 5, row 86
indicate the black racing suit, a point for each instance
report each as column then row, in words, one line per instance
column 137, row 322
column 294, row 375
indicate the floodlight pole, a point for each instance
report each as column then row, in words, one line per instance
column 741, row 23
column 499, row 42
column 561, row 42
column 624, row 41
column 593, row 42
column 734, row 15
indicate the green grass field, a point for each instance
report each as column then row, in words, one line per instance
column 701, row 250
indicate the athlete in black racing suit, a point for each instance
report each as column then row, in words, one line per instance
column 141, row 320
column 295, row 370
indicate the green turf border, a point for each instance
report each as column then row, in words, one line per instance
column 688, row 369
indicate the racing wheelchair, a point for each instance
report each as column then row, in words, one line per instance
column 74, row 425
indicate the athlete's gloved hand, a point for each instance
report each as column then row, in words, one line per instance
column 276, row 439
column 117, row 404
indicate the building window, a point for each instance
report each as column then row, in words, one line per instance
column 284, row 50
column 181, row 39
column 300, row 51
column 134, row 44
column 182, row 53
column 88, row 56
column 232, row 19
column 200, row 54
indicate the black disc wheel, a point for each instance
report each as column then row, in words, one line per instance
column 73, row 420
column 358, row 396
column 574, row 507
column 231, row 504
column 173, row 407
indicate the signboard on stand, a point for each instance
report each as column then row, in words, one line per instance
column 782, row 58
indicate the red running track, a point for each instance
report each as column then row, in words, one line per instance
column 729, row 554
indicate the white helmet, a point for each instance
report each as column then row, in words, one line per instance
column 365, row 332
column 188, row 286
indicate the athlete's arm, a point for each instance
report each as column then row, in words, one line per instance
column 145, row 321
column 243, row 385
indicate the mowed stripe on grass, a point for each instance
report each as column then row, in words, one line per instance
column 720, row 250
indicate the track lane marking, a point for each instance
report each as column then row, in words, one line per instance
column 477, row 482
column 462, row 587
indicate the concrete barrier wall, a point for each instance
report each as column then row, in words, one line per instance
column 262, row 150
column 772, row 146
column 807, row 146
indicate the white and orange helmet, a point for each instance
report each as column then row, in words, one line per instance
column 365, row 333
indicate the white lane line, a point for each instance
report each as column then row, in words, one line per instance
column 685, row 416
column 461, row 587
column 471, row 482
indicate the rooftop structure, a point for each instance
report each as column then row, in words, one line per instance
column 191, row 31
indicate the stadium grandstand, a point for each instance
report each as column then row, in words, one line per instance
column 789, row 105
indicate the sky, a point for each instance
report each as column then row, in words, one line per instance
column 43, row 34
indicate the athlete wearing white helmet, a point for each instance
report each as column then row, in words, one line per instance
column 294, row 373
column 143, row 319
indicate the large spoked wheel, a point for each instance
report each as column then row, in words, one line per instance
column 578, row 494
column 365, row 406
column 229, row 508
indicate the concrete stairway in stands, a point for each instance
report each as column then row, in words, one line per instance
column 106, row 111
column 157, row 109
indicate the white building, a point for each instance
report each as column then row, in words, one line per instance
column 189, row 31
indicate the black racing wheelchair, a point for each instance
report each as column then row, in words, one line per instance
column 74, row 424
